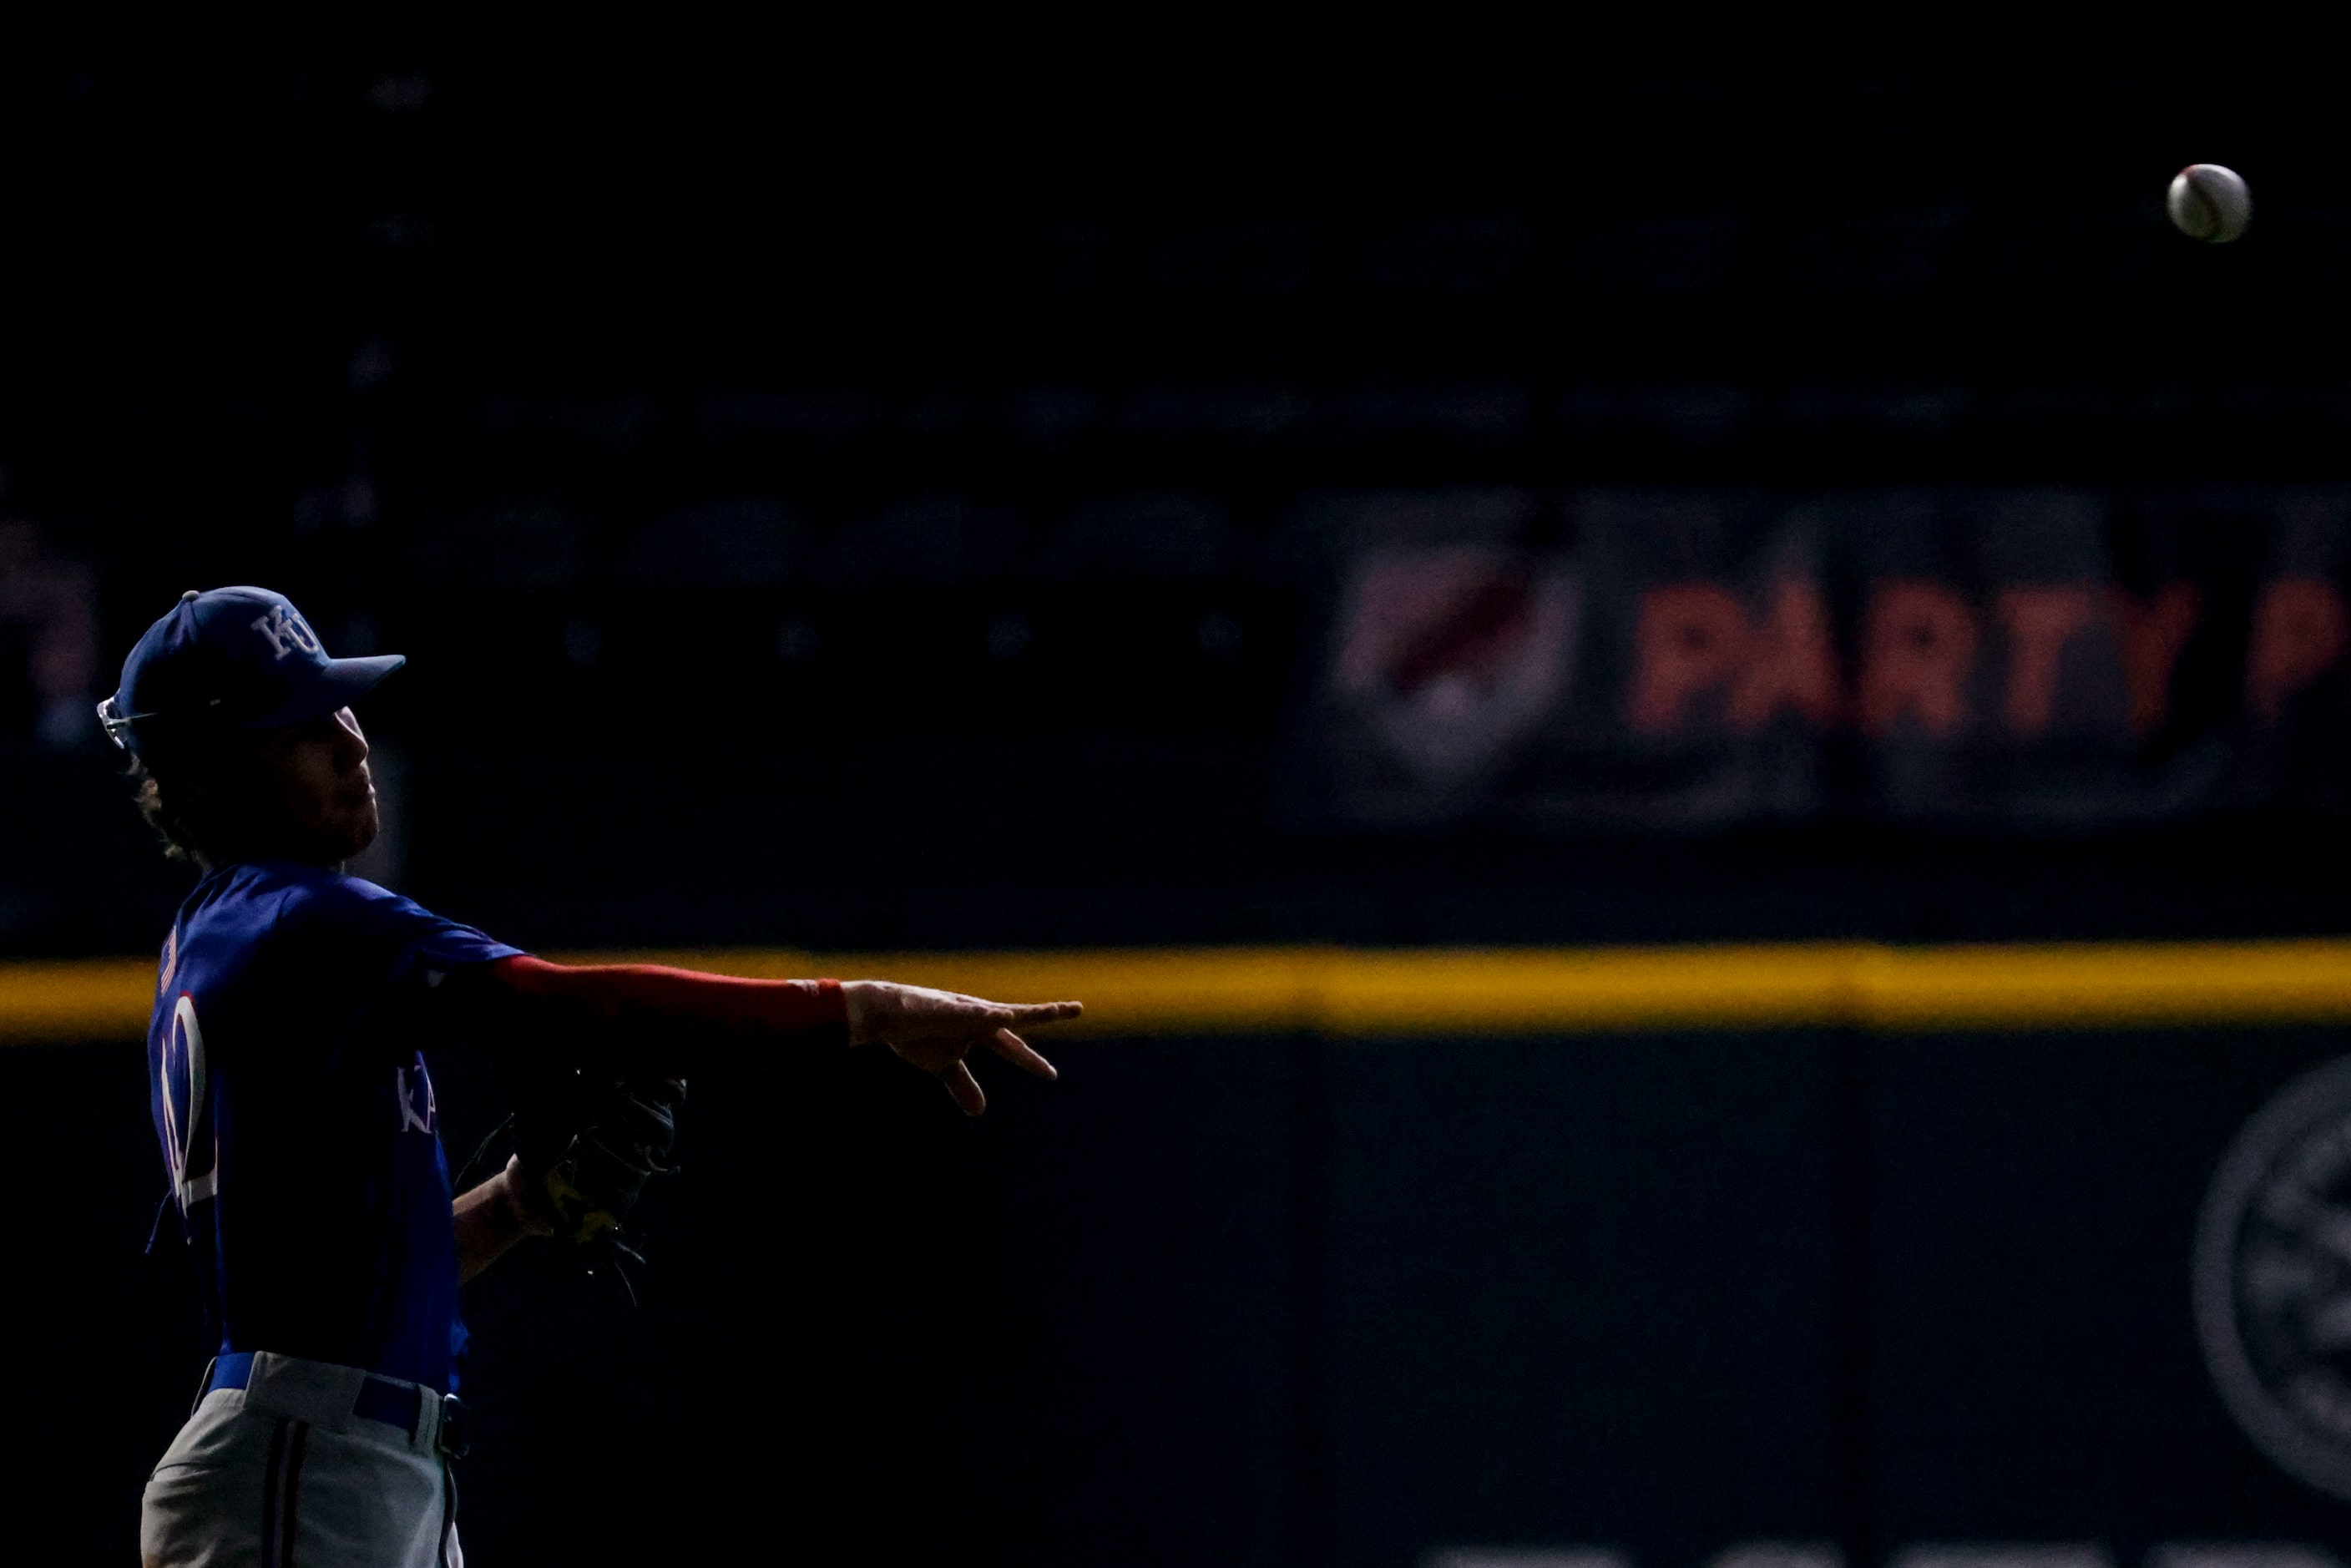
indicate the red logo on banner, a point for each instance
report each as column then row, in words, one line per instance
column 1454, row 653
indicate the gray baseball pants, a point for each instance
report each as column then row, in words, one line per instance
column 282, row 1474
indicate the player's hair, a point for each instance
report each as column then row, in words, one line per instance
column 164, row 755
column 147, row 794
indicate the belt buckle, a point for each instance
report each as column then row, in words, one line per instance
column 454, row 1436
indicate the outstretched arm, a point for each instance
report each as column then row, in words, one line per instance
column 935, row 1030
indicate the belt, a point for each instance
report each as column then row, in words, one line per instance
column 380, row 1400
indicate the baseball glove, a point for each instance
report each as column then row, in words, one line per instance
column 592, row 1139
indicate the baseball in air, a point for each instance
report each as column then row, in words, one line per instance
column 2209, row 203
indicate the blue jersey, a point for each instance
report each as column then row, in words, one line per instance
column 297, row 1121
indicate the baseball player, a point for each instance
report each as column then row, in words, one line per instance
column 298, row 1120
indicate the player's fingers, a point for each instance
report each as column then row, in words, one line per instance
column 1015, row 1050
column 1030, row 1014
column 946, row 1013
column 964, row 1089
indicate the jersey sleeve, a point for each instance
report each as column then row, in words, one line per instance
column 679, row 1020
column 655, row 995
column 401, row 940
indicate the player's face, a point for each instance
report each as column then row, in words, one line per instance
column 315, row 779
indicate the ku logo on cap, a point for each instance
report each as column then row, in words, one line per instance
column 286, row 631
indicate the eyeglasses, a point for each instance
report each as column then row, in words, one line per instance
column 118, row 723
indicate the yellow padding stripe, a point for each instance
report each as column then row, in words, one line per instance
column 1499, row 990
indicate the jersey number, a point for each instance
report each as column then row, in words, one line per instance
column 194, row 1165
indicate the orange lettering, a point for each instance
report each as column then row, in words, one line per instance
column 1690, row 638
column 1791, row 662
column 2298, row 635
column 2040, row 621
column 2152, row 636
column 1920, row 645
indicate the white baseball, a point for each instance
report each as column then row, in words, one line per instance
column 2209, row 203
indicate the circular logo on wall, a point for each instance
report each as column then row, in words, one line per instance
column 2272, row 1278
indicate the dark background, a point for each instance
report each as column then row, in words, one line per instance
column 850, row 507
column 915, row 471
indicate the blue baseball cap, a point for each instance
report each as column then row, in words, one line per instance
column 235, row 658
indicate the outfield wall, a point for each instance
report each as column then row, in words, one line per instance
column 1366, row 1295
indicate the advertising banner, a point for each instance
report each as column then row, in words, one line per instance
column 2039, row 656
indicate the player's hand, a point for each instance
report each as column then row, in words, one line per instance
column 936, row 1030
